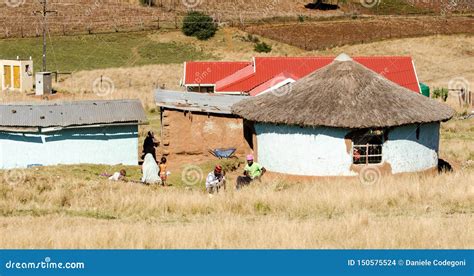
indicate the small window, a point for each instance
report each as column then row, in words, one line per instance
column 28, row 70
column 367, row 147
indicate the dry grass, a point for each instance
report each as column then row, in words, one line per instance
column 412, row 211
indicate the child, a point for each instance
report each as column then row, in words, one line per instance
column 118, row 176
column 163, row 171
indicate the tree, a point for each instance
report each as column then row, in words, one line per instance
column 199, row 25
column 262, row 47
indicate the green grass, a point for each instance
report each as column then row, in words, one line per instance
column 97, row 51
column 92, row 173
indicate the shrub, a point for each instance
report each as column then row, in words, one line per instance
column 262, row 47
column 199, row 25
column 251, row 38
column 441, row 93
column 147, row 2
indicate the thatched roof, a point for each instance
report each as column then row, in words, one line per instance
column 343, row 94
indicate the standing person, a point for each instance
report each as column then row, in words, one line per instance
column 215, row 180
column 150, row 170
column 163, row 171
column 149, row 145
column 252, row 171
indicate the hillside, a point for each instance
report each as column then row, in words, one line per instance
column 17, row 18
column 358, row 31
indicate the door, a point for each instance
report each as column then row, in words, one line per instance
column 7, row 74
column 16, row 77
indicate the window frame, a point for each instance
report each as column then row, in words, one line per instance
column 367, row 146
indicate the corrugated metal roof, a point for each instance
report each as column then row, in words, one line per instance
column 395, row 68
column 77, row 113
column 277, row 80
column 203, row 72
column 197, row 102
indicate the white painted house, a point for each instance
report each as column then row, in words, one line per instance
column 82, row 132
column 341, row 119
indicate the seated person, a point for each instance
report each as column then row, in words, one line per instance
column 150, row 170
column 215, row 180
column 252, row 171
column 118, row 176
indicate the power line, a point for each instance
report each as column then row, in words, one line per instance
column 44, row 13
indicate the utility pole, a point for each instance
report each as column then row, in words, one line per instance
column 44, row 13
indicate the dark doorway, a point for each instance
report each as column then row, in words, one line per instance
column 249, row 132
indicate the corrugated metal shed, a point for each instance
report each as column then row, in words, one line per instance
column 197, row 102
column 65, row 114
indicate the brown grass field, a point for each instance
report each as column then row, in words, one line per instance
column 322, row 35
column 73, row 207
column 69, row 207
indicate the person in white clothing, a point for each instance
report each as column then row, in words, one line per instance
column 215, row 180
column 118, row 176
column 150, row 170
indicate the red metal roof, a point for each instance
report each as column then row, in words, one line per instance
column 397, row 69
column 281, row 78
column 210, row 72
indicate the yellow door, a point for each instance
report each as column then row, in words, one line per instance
column 16, row 77
column 7, row 80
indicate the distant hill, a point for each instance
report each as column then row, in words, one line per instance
column 95, row 16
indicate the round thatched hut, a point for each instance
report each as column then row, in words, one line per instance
column 341, row 119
